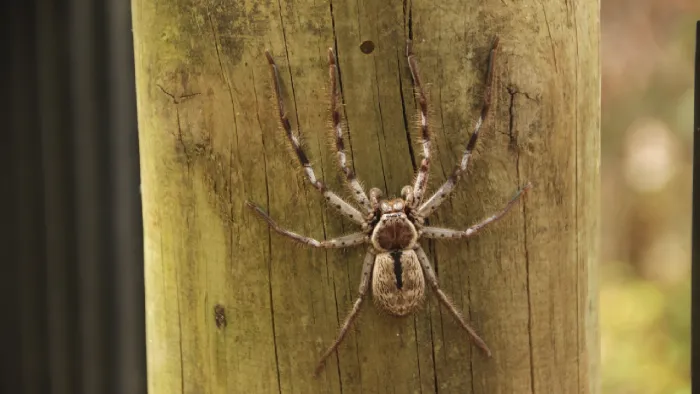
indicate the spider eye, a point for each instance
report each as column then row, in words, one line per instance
column 385, row 207
column 398, row 206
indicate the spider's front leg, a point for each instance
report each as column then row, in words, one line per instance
column 444, row 191
column 340, row 242
column 430, row 277
column 447, row 233
column 358, row 191
column 333, row 199
column 421, row 181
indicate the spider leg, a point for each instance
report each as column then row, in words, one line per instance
column 344, row 207
column 355, row 185
column 407, row 194
column 446, row 233
column 432, row 280
column 340, row 242
column 364, row 285
column 421, row 181
column 439, row 196
column 374, row 195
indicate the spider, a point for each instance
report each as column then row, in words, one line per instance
column 395, row 265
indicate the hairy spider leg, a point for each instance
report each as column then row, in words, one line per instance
column 333, row 199
column 447, row 233
column 358, row 191
column 345, row 241
column 364, row 285
column 429, row 273
column 374, row 195
column 444, row 191
column 421, row 181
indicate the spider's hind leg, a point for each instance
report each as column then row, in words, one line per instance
column 364, row 286
column 431, row 278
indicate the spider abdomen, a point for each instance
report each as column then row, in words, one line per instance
column 398, row 286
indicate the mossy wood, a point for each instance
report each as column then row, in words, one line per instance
column 234, row 308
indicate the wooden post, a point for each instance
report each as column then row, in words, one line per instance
column 234, row 308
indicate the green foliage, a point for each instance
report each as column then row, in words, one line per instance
column 645, row 333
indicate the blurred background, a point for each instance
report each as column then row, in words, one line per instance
column 647, row 151
column 81, row 53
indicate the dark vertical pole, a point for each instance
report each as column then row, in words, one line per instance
column 130, row 357
column 71, row 256
column 695, row 319
column 52, row 50
column 88, row 95
column 23, row 307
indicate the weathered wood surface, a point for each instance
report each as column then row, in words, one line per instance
column 232, row 308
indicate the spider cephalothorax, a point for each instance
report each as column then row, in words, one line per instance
column 394, row 230
column 395, row 264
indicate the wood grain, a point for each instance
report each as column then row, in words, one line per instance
column 209, row 141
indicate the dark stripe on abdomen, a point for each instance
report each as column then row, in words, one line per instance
column 398, row 269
